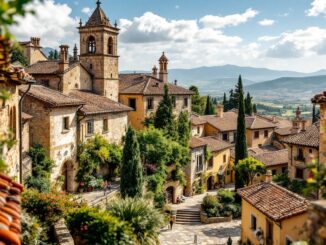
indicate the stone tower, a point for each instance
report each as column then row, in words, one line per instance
column 163, row 75
column 99, row 52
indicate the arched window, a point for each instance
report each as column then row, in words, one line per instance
column 91, row 44
column 110, row 46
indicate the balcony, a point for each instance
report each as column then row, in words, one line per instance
column 300, row 159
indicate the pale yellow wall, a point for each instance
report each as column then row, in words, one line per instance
column 211, row 131
column 135, row 118
column 290, row 227
column 33, row 54
column 198, row 130
column 117, row 126
column 293, row 164
column 218, row 162
column 252, row 142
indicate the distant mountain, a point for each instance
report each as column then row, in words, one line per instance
column 216, row 80
column 47, row 51
column 288, row 88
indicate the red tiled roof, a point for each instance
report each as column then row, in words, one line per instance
column 272, row 158
column 196, row 142
column 97, row 104
column 98, row 18
column 319, row 98
column 309, row 138
column 214, row 144
column 16, row 75
column 51, row 97
column 147, row 85
column 274, row 201
column 10, row 211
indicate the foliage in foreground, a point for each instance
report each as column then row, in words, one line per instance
column 144, row 219
column 99, row 228
column 248, row 168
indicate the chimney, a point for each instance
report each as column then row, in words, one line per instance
column 274, row 119
column 38, row 41
column 269, row 176
column 163, row 68
column 175, row 82
column 219, row 110
column 303, row 125
column 154, row 71
column 75, row 53
column 35, row 41
column 64, row 58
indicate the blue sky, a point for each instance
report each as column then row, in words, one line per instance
column 278, row 34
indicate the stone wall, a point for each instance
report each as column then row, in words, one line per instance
column 322, row 144
column 210, row 220
column 316, row 223
column 76, row 78
column 62, row 233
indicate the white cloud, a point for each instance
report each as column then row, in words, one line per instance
column 52, row 22
column 87, row 11
column 299, row 43
column 219, row 22
column 317, row 7
column 266, row 22
column 268, row 38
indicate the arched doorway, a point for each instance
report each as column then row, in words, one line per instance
column 169, row 194
column 210, row 183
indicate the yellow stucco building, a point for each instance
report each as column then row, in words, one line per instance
column 272, row 215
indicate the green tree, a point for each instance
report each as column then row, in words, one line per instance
column 143, row 218
column 225, row 103
column 51, row 55
column 232, row 101
column 317, row 181
column 254, row 108
column 209, row 110
column 248, row 105
column 131, row 168
column 55, row 55
column 18, row 56
column 314, row 115
column 164, row 118
column 248, row 168
column 241, row 141
column 183, row 128
column 196, row 101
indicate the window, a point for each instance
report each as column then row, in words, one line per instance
column 234, row 137
column 256, row 135
column 210, row 163
column 310, row 151
column 150, row 103
column 105, row 125
column 46, row 83
column 91, row 44
column 185, row 102
column 90, row 127
column 299, row 173
column 174, row 101
column 224, row 158
column 225, row 137
column 288, row 241
column 198, row 130
column 274, row 172
column 266, row 133
column 300, row 156
column 284, row 169
column 199, row 163
column 65, row 123
column 269, row 232
column 253, row 222
column 132, row 103
column 110, row 46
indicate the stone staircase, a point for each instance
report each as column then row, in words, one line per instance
column 188, row 216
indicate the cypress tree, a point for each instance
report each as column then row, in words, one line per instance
column 55, row 55
column 225, row 103
column 131, row 167
column 314, row 116
column 241, row 142
column 254, row 108
column 209, row 110
column 248, row 104
column 183, row 128
column 196, row 103
column 231, row 104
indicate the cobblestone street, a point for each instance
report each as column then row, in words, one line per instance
column 206, row 234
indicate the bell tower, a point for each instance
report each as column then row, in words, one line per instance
column 99, row 52
column 163, row 75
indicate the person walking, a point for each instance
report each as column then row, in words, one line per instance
column 172, row 221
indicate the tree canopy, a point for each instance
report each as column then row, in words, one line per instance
column 248, row 168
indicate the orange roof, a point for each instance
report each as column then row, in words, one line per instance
column 10, row 211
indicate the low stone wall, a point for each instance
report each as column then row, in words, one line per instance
column 210, row 220
column 62, row 233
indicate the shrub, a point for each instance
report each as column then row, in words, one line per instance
column 47, row 207
column 32, row 231
column 41, row 184
column 99, row 228
column 210, row 201
column 225, row 196
column 145, row 220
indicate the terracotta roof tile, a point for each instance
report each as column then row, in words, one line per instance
column 228, row 122
column 147, row 85
column 214, row 144
column 274, row 201
column 16, row 75
column 51, row 97
column 272, row 158
column 50, row 67
column 196, row 142
column 98, row 18
column 309, row 138
column 97, row 104
column 10, row 214
column 319, row 98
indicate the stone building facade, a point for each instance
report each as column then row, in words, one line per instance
column 32, row 50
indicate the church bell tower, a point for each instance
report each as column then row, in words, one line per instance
column 99, row 52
